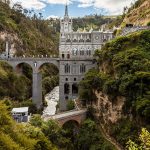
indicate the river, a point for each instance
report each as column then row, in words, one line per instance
column 52, row 99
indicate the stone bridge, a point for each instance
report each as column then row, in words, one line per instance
column 76, row 115
column 35, row 64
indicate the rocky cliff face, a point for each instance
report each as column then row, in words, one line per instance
column 14, row 42
column 139, row 15
column 110, row 111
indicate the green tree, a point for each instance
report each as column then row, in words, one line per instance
column 144, row 142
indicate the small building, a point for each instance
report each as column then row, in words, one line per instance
column 20, row 114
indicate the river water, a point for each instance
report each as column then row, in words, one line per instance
column 52, row 99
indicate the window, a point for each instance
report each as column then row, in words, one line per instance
column 75, row 40
column 66, row 98
column 89, row 52
column 75, row 79
column 82, row 52
column 67, row 68
column 68, row 56
column 74, row 88
column 66, row 79
column 66, row 88
column 82, row 68
column 75, row 51
column 63, row 56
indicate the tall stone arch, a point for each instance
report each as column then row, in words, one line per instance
column 35, row 64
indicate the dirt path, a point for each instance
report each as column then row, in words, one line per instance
column 109, row 139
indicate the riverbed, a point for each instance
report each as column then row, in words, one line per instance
column 52, row 99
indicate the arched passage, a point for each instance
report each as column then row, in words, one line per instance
column 50, row 77
column 71, row 128
column 36, row 66
column 24, row 70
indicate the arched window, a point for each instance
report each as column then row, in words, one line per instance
column 66, row 88
column 75, row 52
column 82, row 68
column 89, row 52
column 67, row 68
column 68, row 56
column 75, row 40
column 74, row 88
column 63, row 56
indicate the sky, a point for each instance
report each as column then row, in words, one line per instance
column 77, row 8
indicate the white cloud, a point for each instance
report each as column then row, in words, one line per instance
column 58, row 1
column 87, row 3
column 35, row 4
column 111, row 6
column 52, row 16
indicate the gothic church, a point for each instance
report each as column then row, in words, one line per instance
column 76, row 50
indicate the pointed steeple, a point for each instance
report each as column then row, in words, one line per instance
column 66, row 10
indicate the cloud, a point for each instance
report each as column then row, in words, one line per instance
column 84, row 4
column 52, row 16
column 35, row 4
column 58, row 1
column 112, row 7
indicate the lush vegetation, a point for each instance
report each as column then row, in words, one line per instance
column 70, row 105
column 71, row 136
column 144, row 139
column 35, row 36
column 94, row 21
column 20, row 137
column 124, row 71
column 15, row 86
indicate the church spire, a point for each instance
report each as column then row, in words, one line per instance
column 66, row 10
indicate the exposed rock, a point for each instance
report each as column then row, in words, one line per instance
column 13, row 41
column 108, row 110
column 139, row 15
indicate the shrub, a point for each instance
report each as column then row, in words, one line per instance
column 70, row 105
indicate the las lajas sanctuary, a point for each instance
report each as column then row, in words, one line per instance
column 76, row 50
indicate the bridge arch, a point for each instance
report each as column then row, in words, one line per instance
column 23, row 65
column 35, row 64
column 17, row 63
column 74, row 122
column 53, row 62
column 50, row 79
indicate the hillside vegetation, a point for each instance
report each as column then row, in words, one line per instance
column 139, row 13
column 16, row 136
column 30, row 34
column 124, row 71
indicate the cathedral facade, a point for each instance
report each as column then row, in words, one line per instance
column 76, row 50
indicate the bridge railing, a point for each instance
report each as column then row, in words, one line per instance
column 28, row 57
column 64, row 114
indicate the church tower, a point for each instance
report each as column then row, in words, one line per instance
column 76, row 50
column 66, row 22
